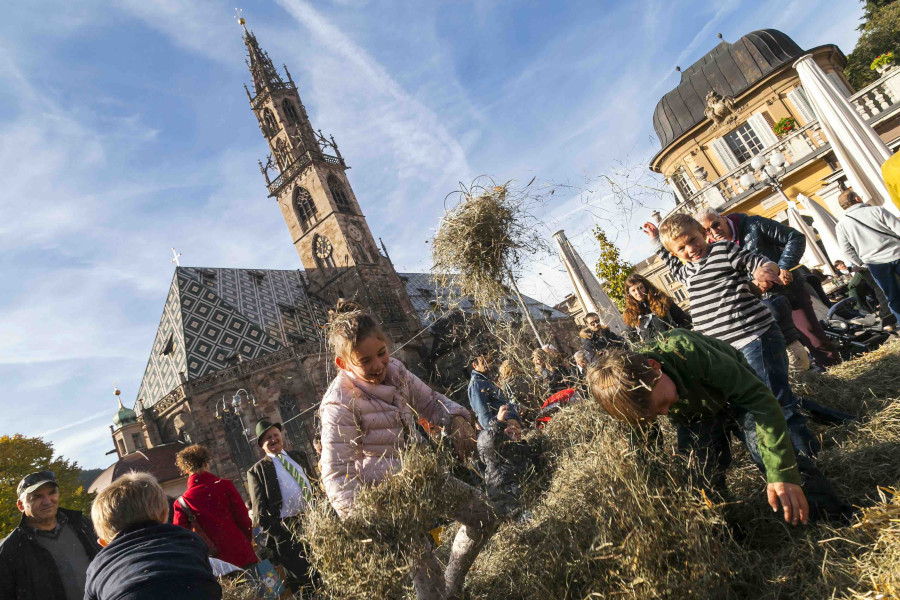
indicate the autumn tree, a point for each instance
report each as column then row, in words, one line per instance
column 612, row 269
column 19, row 456
column 879, row 33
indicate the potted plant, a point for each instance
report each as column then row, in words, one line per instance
column 883, row 63
column 785, row 126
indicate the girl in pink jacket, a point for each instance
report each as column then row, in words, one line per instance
column 368, row 414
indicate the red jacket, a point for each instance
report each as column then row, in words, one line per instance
column 221, row 513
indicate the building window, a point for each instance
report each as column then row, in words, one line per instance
column 241, row 452
column 743, row 142
column 681, row 179
column 270, row 125
column 290, row 112
column 679, row 295
column 304, row 207
column 296, row 429
column 282, row 155
column 668, row 279
column 122, row 451
column 138, row 440
column 338, row 193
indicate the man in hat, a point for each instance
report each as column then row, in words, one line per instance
column 48, row 554
column 281, row 486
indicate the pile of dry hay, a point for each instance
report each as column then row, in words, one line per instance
column 481, row 240
column 368, row 554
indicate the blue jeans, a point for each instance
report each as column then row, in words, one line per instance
column 767, row 356
column 886, row 277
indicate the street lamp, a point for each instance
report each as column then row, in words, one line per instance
column 223, row 408
column 766, row 171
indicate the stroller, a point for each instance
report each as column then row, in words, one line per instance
column 853, row 332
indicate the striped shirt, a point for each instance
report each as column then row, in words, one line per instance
column 722, row 305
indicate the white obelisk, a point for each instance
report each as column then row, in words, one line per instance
column 590, row 293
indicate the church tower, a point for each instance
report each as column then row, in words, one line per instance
column 324, row 219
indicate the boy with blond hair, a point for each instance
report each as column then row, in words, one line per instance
column 725, row 306
column 707, row 390
column 143, row 557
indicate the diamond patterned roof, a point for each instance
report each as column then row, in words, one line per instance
column 213, row 315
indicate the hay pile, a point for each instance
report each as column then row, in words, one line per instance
column 608, row 525
column 880, row 565
column 368, row 554
column 481, row 240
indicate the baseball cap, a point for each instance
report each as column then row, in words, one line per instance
column 33, row 481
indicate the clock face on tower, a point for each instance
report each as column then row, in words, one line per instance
column 323, row 247
column 355, row 233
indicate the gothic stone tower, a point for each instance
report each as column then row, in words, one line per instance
column 323, row 216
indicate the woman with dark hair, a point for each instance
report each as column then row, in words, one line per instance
column 651, row 311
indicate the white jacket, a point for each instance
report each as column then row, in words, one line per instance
column 869, row 235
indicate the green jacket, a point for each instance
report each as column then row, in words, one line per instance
column 710, row 375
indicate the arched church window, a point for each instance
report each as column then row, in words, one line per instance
column 296, row 429
column 270, row 125
column 290, row 111
column 282, row 156
column 241, row 452
column 304, row 207
column 323, row 252
column 339, row 194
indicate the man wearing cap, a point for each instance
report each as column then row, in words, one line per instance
column 48, row 554
column 281, row 485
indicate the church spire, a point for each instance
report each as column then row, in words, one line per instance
column 265, row 76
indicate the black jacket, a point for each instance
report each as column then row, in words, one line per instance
column 779, row 243
column 27, row 571
column 153, row 561
column 265, row 494
column 652, row 326
column 595, row 342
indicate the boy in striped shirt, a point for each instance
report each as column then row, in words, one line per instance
column 723, row 305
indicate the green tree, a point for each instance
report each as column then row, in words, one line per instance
column 612, row 269
column 19, row 456
column 879, row 33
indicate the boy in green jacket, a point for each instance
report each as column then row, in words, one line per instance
column 707, row 388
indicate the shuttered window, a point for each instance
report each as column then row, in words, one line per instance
column 801, row 103
column 762, row 129
column 723, row 152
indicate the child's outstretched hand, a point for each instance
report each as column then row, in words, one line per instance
column 792, row 500
column 651, row 230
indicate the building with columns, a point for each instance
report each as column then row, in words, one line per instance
column 237, row 345
column 743, row 99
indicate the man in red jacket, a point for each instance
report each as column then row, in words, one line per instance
column 219, row 511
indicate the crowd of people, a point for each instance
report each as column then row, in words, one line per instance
column 718, row 371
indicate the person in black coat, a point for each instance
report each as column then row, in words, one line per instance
column 144, row 557
column 276, row 514
column 46, row 556
column 595, row 338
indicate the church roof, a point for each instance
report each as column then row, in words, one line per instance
column 728, row 69
column 159, row 461
column 430, row 301
column 213, row 315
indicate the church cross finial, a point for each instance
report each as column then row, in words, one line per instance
column 175, row 256
column 238, row 12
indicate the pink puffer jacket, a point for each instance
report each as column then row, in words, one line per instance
column 363, row 428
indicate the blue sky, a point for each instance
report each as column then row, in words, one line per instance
column 124, row 131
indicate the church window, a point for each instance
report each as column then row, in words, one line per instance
column 138, row 440
column 296, row 429
column 361, row 253
column 338, row 193
column 270, row 125
column 290, row 112
column 121, row 447
column 282, row 155
column 304, row 207
column 241, row 452
column 744, row 142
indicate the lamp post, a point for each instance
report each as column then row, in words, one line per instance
column 234, row 407
column 766, row 170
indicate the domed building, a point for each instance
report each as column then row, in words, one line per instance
column 744, row 99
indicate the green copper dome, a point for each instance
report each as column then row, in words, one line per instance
column 124, row 416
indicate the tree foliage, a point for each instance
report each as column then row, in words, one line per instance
column 612, row 269
column 879, row 33
column 19, row 456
